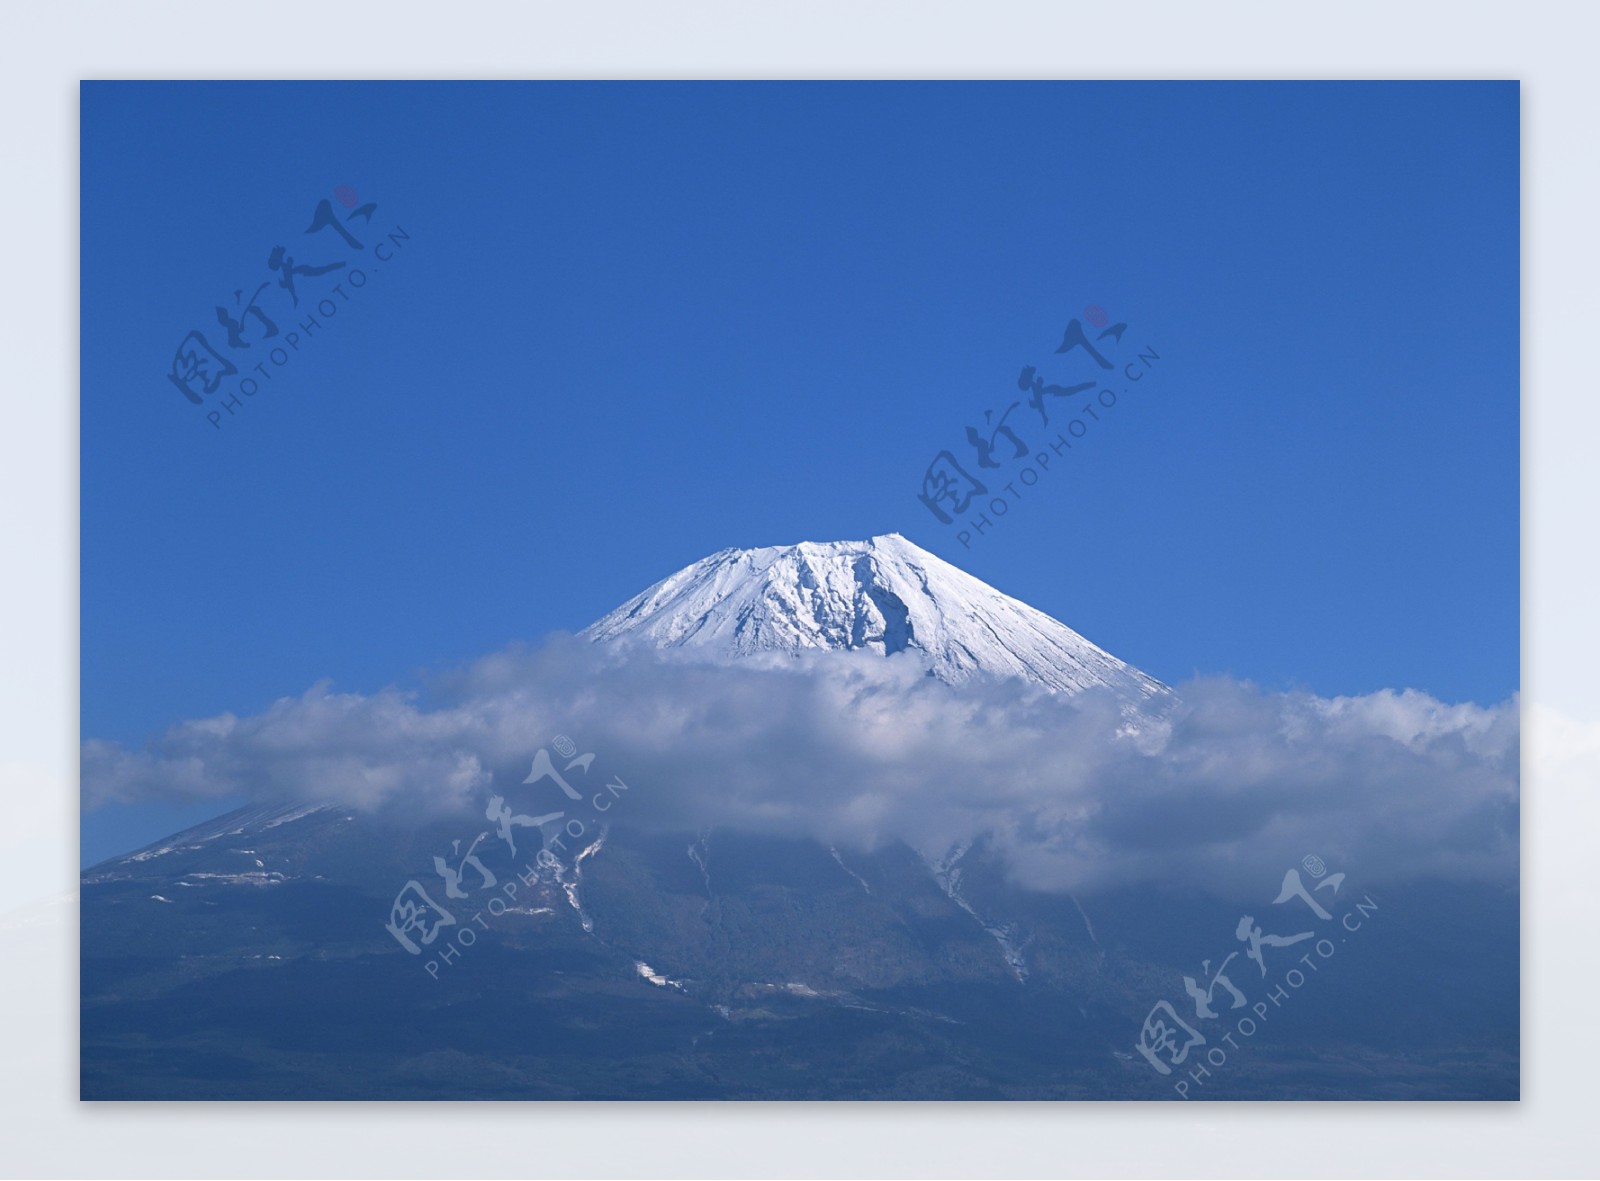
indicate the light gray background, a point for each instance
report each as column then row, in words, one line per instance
column 44, row 1131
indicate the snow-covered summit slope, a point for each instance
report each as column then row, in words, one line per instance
column 884, row 595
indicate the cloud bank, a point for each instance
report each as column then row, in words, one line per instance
column 855, row 750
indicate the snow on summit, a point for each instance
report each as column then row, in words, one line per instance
column 884, row 595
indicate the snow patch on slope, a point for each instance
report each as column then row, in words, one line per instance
column 947, row 871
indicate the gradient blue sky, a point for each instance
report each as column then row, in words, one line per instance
column 637, row 323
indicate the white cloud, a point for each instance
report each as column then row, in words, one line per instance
column 856, row 749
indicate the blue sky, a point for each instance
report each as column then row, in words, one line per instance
column 632, row 324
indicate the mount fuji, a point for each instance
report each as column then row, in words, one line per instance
column 882, row 595
column 254, row 957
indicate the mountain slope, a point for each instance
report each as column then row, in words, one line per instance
column 882, row 595
column 248, row 959
column 258, row 956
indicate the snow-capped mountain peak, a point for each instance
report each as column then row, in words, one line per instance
column 883, row 595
